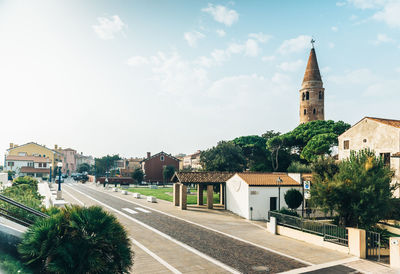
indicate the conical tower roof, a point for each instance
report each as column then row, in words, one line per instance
column 312, row 70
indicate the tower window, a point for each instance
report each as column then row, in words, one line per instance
column 307, row 95
column 346, row 144
column 313, row 111
column 305, row 111
column 320, row 95
column 304, row 96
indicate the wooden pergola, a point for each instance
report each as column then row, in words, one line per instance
column 202, row 180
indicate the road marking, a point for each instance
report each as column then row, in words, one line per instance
column 142, row 209
column 321, row 266
column 152, row 254
column 130, row 210
column 73, row 197
column 214, row 230
column 195, row 251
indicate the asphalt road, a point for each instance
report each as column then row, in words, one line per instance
column 243, row 257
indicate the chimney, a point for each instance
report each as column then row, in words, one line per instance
column 148, row 155
column 55, row 147
column 11, row 145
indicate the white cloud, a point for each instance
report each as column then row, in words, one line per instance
column 135, row 61
column 220, row 55
column 222, row 14
column 389, row 14
column 397, row 69
column 204, row 61
column 268, row 58
column 260, row 37
column 192, row 37
column 382, row 38
column 358, row 76
column 220, row 32
column 367, row 4
column 340, row 4
column 297, row 44
column 108, row 27
column 251, row 48
column 334, row 29
column 331, row 45
column 291, row 66
column 353, row 17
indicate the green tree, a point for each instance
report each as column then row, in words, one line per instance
column 138, row 175
column 223, row 157
column 255, row 151
column 297, row 167
column 105, row 163
column 168, row 172
column 293, row 198
column 84, row 167
column 77, row 240
column 360, row 191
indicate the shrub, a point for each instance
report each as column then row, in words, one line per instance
column 293, row 198
column 77, row 240
column 297, row 167
column 288, row 212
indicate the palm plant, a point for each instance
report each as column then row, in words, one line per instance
column 78, row 240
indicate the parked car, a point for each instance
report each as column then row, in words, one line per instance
column 64, row 176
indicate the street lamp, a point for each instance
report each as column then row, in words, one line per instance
column 278, row 182
column 51, row 166
column 59, row 196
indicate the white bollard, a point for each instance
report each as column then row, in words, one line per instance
column 151, row 199
column 272, row 225
column 124, row 192
column 115, row 189
column 136, row 195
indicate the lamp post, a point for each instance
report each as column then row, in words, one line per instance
column 59, row 194
column 51, row 166
column 278, row 182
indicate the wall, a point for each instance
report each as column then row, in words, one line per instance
column 153, row 168
column 3, row 178
column 31, row 149
column 259, row 199
column 237, row 196
column 379, row 137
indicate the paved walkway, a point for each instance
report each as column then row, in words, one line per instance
column 249, row 232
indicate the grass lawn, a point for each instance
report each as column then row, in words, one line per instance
column 166, row 194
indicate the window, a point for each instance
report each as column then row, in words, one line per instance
column 40, row 164
column 272, row 203
column 44, row 164
column 313, row 111
column 386, row 158
column 162, row 158
column 320, row 95
column 365, row 140
column 30, row 164
column 10, row 164
column 305, row 111
column 304, row 96
column 346, row 144
column 307, row 95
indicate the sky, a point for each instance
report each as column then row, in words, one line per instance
column 127, row 77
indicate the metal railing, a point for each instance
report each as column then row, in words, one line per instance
column 373, row 245
column 331, row 233
column 12, row 216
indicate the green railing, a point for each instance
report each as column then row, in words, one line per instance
column 331, row 233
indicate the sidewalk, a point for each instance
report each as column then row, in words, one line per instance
column 254, row 232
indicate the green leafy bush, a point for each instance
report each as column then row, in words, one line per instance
column 293, row 198
column 288, row 212
column 297, row 167
column 77, row 240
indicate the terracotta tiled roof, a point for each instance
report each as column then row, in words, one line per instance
column 267, row 179
column 27, row 169
column 35, row 159
column 312, row 70
column 306, row 176
column 396, row 155
column 390, row 122
column 201, row 177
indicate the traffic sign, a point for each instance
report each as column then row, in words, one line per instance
column 307, row 185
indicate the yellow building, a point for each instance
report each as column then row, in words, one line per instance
column 33, row 149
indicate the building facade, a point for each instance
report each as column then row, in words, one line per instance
column 153, row 166
column 34, row 166
column 34, row 149
column 192, row 162
column 312, row 92
column 377, row 134
column 69, row 160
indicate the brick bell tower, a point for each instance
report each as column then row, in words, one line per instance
column 312, row 91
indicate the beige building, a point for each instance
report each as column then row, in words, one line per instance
column 34, row 149
column 380, row 135
column 191, row 161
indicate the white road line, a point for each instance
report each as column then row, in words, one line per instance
column 142, row 209
column 73, row 197
column 152, row 254
column 321, row 266
column 130, row 210
column 217, row 231
column 195, row 251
